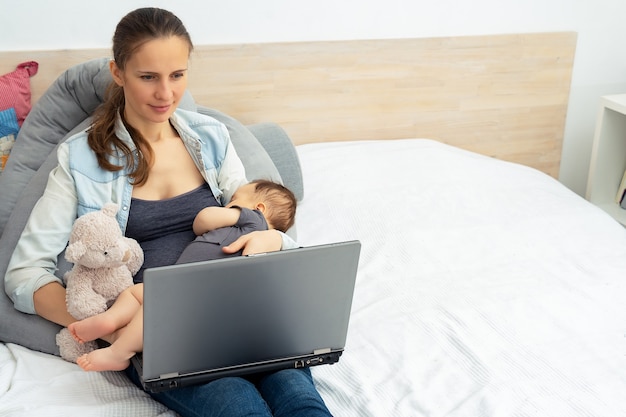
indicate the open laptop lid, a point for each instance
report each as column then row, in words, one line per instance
column 246, row 314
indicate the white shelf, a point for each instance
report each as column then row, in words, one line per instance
column 608, row 156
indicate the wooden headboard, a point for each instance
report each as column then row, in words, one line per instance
column 500, row 95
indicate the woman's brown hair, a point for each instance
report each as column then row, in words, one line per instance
column 135, row 29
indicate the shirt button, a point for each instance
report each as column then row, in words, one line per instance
column 125, row 208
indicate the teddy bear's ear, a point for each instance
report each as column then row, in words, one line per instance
column 75, row 251
column 110, row 209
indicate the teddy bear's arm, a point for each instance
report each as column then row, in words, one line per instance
column 136, row 259
column 82, row 301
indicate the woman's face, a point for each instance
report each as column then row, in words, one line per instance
column 154, row 80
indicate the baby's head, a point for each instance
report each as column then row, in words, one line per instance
column 275, row 201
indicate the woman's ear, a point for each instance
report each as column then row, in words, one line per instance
column 116, row 73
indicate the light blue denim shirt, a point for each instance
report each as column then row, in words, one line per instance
column 78, row 185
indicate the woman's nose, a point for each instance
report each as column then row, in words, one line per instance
column 164, row 90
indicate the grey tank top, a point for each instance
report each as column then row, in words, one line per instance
column 164, row 228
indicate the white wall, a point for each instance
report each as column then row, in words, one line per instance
column 600, row 66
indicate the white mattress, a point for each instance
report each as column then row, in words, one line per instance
column 34, row 384
column 485, row 288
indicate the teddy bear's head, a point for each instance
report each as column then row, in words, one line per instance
column 96, row 240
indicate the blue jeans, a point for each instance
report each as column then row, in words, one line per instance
column 289, row 392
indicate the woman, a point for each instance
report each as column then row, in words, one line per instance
column 162, row 165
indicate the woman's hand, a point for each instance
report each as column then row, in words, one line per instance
column 256, row 242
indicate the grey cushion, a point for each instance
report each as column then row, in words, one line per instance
column 266, row 150
column 280, row 148
column 254, row 157
column 24, row 329
column 64, row 108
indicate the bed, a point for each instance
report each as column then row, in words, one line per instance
column 485, row 287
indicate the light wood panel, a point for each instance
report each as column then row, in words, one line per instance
column 500, row 95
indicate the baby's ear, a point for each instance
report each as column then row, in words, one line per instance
column 75, row 251
column 260, row 207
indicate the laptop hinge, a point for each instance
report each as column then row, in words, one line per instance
column 170, row 375
column 321, row 351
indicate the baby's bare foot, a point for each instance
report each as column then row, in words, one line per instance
column 102, row 360
column 72, row 329
column 91, row 328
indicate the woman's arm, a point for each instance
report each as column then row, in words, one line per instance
column 260, row 242
column 50, row 304
column 45, row 235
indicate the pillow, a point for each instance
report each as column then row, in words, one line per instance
column 266, row 151
column 283, row 153
column 8, row 122
column 66, row 107
column 6, row 144
column 15, row 89
column 256, row 161
column 24, row 329
column 68, row 101
column 8, row 131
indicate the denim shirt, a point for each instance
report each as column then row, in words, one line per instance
column 77, row 185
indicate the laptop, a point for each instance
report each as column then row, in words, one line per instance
column 247, row 314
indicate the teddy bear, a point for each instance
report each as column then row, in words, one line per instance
column 104, row 264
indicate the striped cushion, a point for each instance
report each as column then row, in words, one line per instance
column 15, row 89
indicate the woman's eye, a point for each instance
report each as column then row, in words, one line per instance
column 147, row 77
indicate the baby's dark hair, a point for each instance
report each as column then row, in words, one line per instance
column 280, row 203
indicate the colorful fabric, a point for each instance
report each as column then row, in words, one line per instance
column 15, row 89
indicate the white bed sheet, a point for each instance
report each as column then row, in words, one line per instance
column 35, row 384
column 484, row 289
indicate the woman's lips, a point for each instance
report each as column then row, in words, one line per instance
column 161, row 109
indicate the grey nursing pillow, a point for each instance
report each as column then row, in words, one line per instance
column 265, row 149
column 65, row 109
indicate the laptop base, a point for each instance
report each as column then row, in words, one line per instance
column 169, row 382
